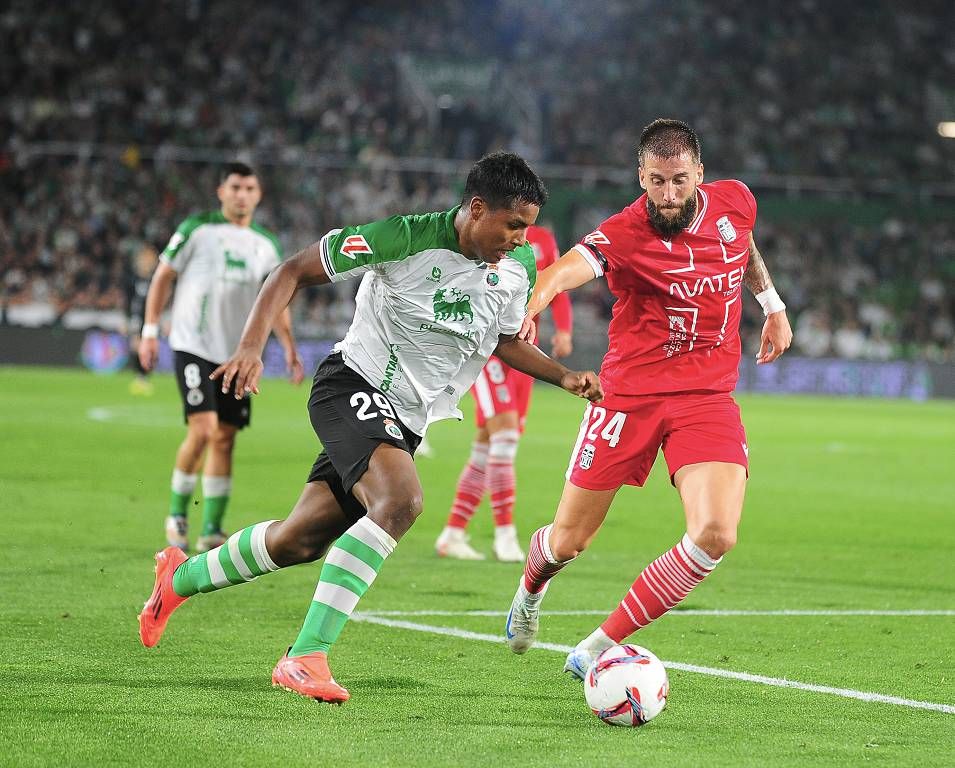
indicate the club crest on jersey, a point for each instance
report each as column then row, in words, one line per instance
column 452, row 304
column 393, row 429
column 492, row 278
column 587, row 456
column 435, row 275
column 355, row 246
column 727, row 230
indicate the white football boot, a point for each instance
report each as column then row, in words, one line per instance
column 177, row 532
column 506, row 548
column 523, row 620
column 453, row 542
column 578, row 662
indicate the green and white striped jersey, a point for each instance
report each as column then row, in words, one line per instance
column 220, row 269
column 427, row 318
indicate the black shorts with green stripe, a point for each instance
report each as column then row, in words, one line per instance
column 351, row 418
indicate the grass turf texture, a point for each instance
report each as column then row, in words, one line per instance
column 849, row 508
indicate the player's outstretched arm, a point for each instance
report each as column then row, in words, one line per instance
column 160, row 288
column 777, row 334
column 244, row 368
column 529, row 359
column 283, row 332
column 569, row 271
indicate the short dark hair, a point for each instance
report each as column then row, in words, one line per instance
column 502, row 179
column 668, row 138
column 238, row 168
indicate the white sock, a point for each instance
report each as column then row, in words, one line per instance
column 596, row 642
column 528, row 597
column 505, row 532
column 183, row 483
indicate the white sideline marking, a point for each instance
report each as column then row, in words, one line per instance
column 130, row 415
column 777, row 682
column 100, row 413
column 159, row 415
column 684, row 612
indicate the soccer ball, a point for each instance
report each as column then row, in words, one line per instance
column 626, row 685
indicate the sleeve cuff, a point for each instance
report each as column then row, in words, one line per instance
column 333, row 276
column 590, row 259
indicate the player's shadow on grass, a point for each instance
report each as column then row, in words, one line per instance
column 391, row 683
column 255, row 682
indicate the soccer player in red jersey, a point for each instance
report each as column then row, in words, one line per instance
column 676, row 260
column 502, row 395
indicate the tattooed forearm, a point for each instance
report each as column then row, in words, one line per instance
column 756, row 277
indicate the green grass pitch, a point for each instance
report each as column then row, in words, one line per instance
column 850, row 508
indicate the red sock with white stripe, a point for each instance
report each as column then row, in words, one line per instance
column 470, row 488
column 501, row 480
column 541, row 565
column 661, row 585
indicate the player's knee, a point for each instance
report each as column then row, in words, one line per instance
column 408, row 505
column 398, row 510
column 567, row 544
column 202, row 431
column 502, row 447
column 716, row 540
column 222, row 441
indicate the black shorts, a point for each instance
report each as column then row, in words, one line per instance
column 200, row 393
column 351, row 418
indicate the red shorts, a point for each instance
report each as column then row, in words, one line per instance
column 617, row 448
column 500, row 388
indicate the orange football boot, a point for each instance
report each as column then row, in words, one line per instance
column 163, row 601
column 309, row 675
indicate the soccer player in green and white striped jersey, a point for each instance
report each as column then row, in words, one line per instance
column 218, row 261
column 440, row 293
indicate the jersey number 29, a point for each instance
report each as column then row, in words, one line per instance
column 362, row 401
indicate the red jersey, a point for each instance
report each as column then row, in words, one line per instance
column 675, row 324
column 546, row 253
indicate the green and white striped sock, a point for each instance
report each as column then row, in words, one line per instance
column 215, row 498
column 182, row 486
column 242, row 558
column 350, row 568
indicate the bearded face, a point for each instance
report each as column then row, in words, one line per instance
column 673, row 218
column 671, row 184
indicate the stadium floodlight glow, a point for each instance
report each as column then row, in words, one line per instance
column 947, row 129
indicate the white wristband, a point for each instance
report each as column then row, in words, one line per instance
column 149, row 331
column 770, row 302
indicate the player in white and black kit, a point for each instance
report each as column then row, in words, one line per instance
column 440, row 292
column 218, row 261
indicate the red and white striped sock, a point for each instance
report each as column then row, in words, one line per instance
column 661, row 585
column 470, row 488
column 541, row 565
column 501, row 480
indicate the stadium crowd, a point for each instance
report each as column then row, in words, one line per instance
column 325, row 80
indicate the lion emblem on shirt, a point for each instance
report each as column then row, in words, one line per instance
column 452, row 304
